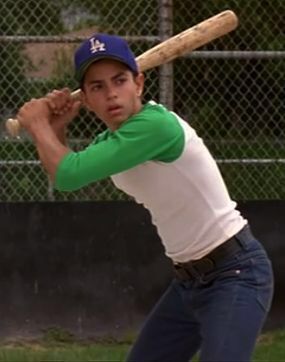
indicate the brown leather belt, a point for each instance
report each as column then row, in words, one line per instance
column 194, row 269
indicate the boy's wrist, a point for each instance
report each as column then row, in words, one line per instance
column 40, row 129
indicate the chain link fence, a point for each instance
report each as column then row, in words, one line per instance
column 231, row 91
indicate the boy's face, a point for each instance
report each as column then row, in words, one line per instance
column 112, row 92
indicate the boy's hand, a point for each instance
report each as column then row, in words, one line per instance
column 63, row 108
column 34, row 114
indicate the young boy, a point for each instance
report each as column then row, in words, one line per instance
column 223, row 283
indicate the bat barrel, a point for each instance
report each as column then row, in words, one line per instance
column 188, row 40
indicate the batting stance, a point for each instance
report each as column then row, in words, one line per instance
column 223, row 284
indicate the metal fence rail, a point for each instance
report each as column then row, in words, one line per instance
column 232, row 90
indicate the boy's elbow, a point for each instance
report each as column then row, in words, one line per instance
column 65, row 188
column 66, row 177
column 67, row 182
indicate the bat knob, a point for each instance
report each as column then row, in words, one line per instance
column 13, row 127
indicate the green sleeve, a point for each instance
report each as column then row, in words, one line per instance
column 149, row 135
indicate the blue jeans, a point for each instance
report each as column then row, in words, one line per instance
column 218, row 314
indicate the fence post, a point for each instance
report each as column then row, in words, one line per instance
column 166, row 70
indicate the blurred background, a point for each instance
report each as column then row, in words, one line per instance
column 90, row 261
column 232, row 90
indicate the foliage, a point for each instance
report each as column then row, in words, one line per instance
column 256, row 32
column 20, row 17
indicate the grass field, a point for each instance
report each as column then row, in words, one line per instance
column 270, row 348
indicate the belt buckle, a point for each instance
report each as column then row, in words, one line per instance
column 194, row 269
column 204, row 265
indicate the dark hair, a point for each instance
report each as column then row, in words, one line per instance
column 81, row 84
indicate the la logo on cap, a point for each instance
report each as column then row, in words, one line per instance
column 96, row 46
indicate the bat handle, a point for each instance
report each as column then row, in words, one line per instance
column 13, row 126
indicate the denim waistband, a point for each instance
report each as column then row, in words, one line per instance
column 204, row 265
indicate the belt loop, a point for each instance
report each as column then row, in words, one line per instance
column 181, row 273
column 192, row 270
column 244, row 236
column 186, row 271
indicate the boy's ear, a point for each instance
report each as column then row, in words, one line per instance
column 140, row 84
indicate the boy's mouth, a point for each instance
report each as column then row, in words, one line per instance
column 114, row 109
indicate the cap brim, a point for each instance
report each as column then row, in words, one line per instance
column 79, row 75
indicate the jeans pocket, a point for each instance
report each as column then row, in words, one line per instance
column 253, row 273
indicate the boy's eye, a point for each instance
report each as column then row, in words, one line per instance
column 120, row 80
column 96, row 86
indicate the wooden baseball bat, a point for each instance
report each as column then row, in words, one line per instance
column 166, row 51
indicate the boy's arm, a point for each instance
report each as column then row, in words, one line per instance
column 50, row 149
column 138, row 140
column 46, row 124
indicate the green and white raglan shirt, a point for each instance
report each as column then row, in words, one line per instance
column 157, row 158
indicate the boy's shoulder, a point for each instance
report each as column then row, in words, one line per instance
column 155, row 120
column 155, row 108
column 154, row 112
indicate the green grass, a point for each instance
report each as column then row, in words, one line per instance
column 70, row 353
column 270, row 348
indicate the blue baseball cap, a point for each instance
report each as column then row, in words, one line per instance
column 103, row 46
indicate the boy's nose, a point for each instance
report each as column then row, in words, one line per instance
column 111, row 92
